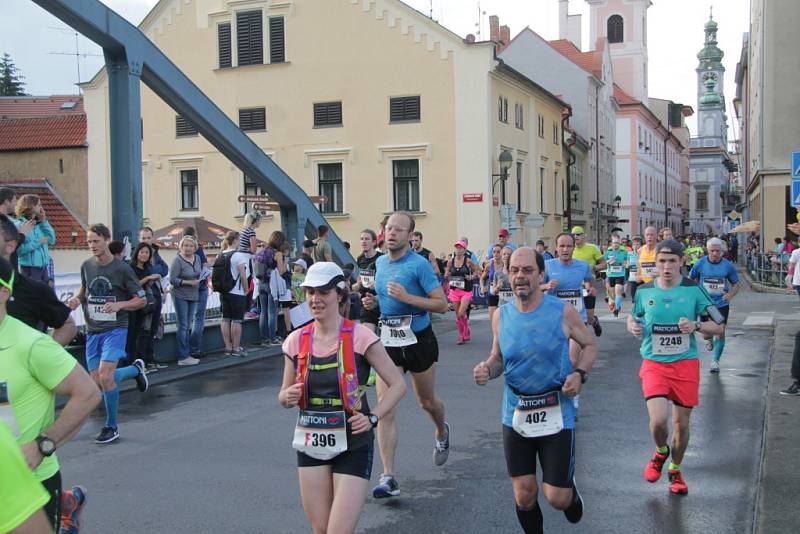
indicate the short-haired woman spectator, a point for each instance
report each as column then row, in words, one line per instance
column 184, row 276
column 33, row 255
column 143, row 322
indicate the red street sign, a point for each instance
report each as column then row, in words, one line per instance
column 495, row 201
column 472, row 197
column 254, row 198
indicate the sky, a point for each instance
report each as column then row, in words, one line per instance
column 44, row 48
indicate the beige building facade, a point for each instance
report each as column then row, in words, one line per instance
column 371, row 104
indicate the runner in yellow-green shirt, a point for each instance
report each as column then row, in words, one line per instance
column 33, row 369
column 21, row 494
column 693, row 253
column 590, row 254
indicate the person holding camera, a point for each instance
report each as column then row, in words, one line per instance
column 34, row 255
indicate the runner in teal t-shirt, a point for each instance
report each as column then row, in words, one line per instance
column 615, row 258
column 665, row 314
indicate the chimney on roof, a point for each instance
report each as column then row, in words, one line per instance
column 494, row 28
column 505, row 38
column 569, row 26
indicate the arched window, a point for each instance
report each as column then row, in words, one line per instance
column 615, row 29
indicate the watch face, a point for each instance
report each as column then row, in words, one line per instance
column 46, row 446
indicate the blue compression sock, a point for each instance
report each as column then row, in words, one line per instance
column 111, row 399
column 719, row 345
column 124, row 373
column 618, row 302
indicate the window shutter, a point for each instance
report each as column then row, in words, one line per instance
column 224, row 39
column 277, row 40
column 184, row 128
column 253, row 119
column 328, row 114
column 404, row 109
column 249, row 38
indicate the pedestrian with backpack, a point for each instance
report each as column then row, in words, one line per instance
column 266, row 261
column 229, row 277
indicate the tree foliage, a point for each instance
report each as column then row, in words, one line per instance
column 11, row 82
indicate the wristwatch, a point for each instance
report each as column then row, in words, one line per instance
column 697, row 326
column 46, row 445
column 373, row 419
column 582, row 373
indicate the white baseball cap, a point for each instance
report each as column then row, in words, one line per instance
column 302, row 263
column 324, row 275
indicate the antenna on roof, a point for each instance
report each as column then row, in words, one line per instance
column 77, row 53
column 481, row 14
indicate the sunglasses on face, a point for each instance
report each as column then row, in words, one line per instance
column 8, row 284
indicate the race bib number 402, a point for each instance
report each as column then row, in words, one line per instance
column 396, row 331
column 321, row 435
column 668, row 340
column 538, row 415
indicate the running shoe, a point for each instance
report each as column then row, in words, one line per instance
column 574, row 512
column 714, row 366
column 240, row 352
column 611, row 305
column 188, row 361
column 141, row 379
column 676, row 483
column 460, row 341
column 598, row 330
column 387, row 487
column 155, row 366
column 107, row 435
column 794, row 389
column 652, row 472
column 72, row 503
column 441, row 449
column 616, row 313
column 710, row 344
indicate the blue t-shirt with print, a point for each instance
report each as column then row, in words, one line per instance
column 715, row 278
column 570, row 281
column 415, row 274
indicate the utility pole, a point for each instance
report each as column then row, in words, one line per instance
column 666, row 182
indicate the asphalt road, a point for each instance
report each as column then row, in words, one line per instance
column 212, row 453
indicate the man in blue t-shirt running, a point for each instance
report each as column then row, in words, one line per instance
column 719, row 278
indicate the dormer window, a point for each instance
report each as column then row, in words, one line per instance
column 615, row 29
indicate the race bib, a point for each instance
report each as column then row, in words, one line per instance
column 648, row 269
column 396, row 331
column 6, row 411
column 321, row 435
column 616, row 270
column 506, row 294
column 367, row 278
column 457, row 282
column 714, row 286
column 632, row 274
column 668, row 340
column 94, row 305
column 573, row 296
column 538, row 415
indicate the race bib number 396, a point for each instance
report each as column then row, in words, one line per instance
column 321, row 435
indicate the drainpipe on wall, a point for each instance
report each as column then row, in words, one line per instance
column 566, row 113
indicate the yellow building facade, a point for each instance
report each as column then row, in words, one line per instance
column 367, row 102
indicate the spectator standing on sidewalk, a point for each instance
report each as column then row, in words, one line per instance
column 322, row 250
column 198, row 324
column 234, row 301
column 308, row 251
column 34, row 255
column 143, row 321
column 248, row 242
column 184, row 275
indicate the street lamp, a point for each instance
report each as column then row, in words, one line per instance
column 642, row 207
column 617, row 202
column 505, row 160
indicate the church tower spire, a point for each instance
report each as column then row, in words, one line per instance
column 711, row 117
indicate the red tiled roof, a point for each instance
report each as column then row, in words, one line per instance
column 63, row 221
column 19, row 107
column 624, row 98
column 43, row 132
column 589, row 61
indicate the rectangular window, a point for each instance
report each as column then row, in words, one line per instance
column 404, row 109
column 519, row 186
column 521, row 117
column 702, row 201
column 405, row 178
column 253, row 119
column 555, row 133
column 328, row 114
column 277, row 40
column 249, row 38
column 224, row 44
column 541, row 189
column 555, row 192
column 541, row 126
column 500, row 109
column 184, row 128
column 505, row 110
column 189, row 190
column 251, row 189
column 330, row 186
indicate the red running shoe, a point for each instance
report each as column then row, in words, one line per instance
column 652, row 471
column 676, row 483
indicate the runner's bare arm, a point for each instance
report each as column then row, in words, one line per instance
column 492, row 367
column 576, row 330
column 290, row 392
column 732, row 293
column 388, row 372
column 66, row 332
column 434, row 263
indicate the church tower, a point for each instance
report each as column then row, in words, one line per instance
column 711, row 117
column 624, row 24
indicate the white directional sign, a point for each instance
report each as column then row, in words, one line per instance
column 534, row 221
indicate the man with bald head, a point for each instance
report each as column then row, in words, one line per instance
column 647, row 257
column 530, row 347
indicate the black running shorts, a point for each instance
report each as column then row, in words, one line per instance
column 420, row 356
column 556, row 455
column 589, row 302
column 492, row 300
column 354, row 462
column 616, row 280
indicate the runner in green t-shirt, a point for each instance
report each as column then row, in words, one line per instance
column 693, row 253
column 615, row 257
column 665, row 315
column 21, row 494
column 33, row 369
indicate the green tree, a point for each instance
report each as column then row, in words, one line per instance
column 11, row 83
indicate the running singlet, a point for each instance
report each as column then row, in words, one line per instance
column 588, row 253
column 458, row 276
column 366, row 271
column 415, row 274
column 633, row 260
column 535, row 358
column 715, row 278
column 661, row 309
column 570, row 281
column 647, row 265
column 617, row 268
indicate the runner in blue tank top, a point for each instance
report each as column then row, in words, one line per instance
column 719, row 278
column 531, row 349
